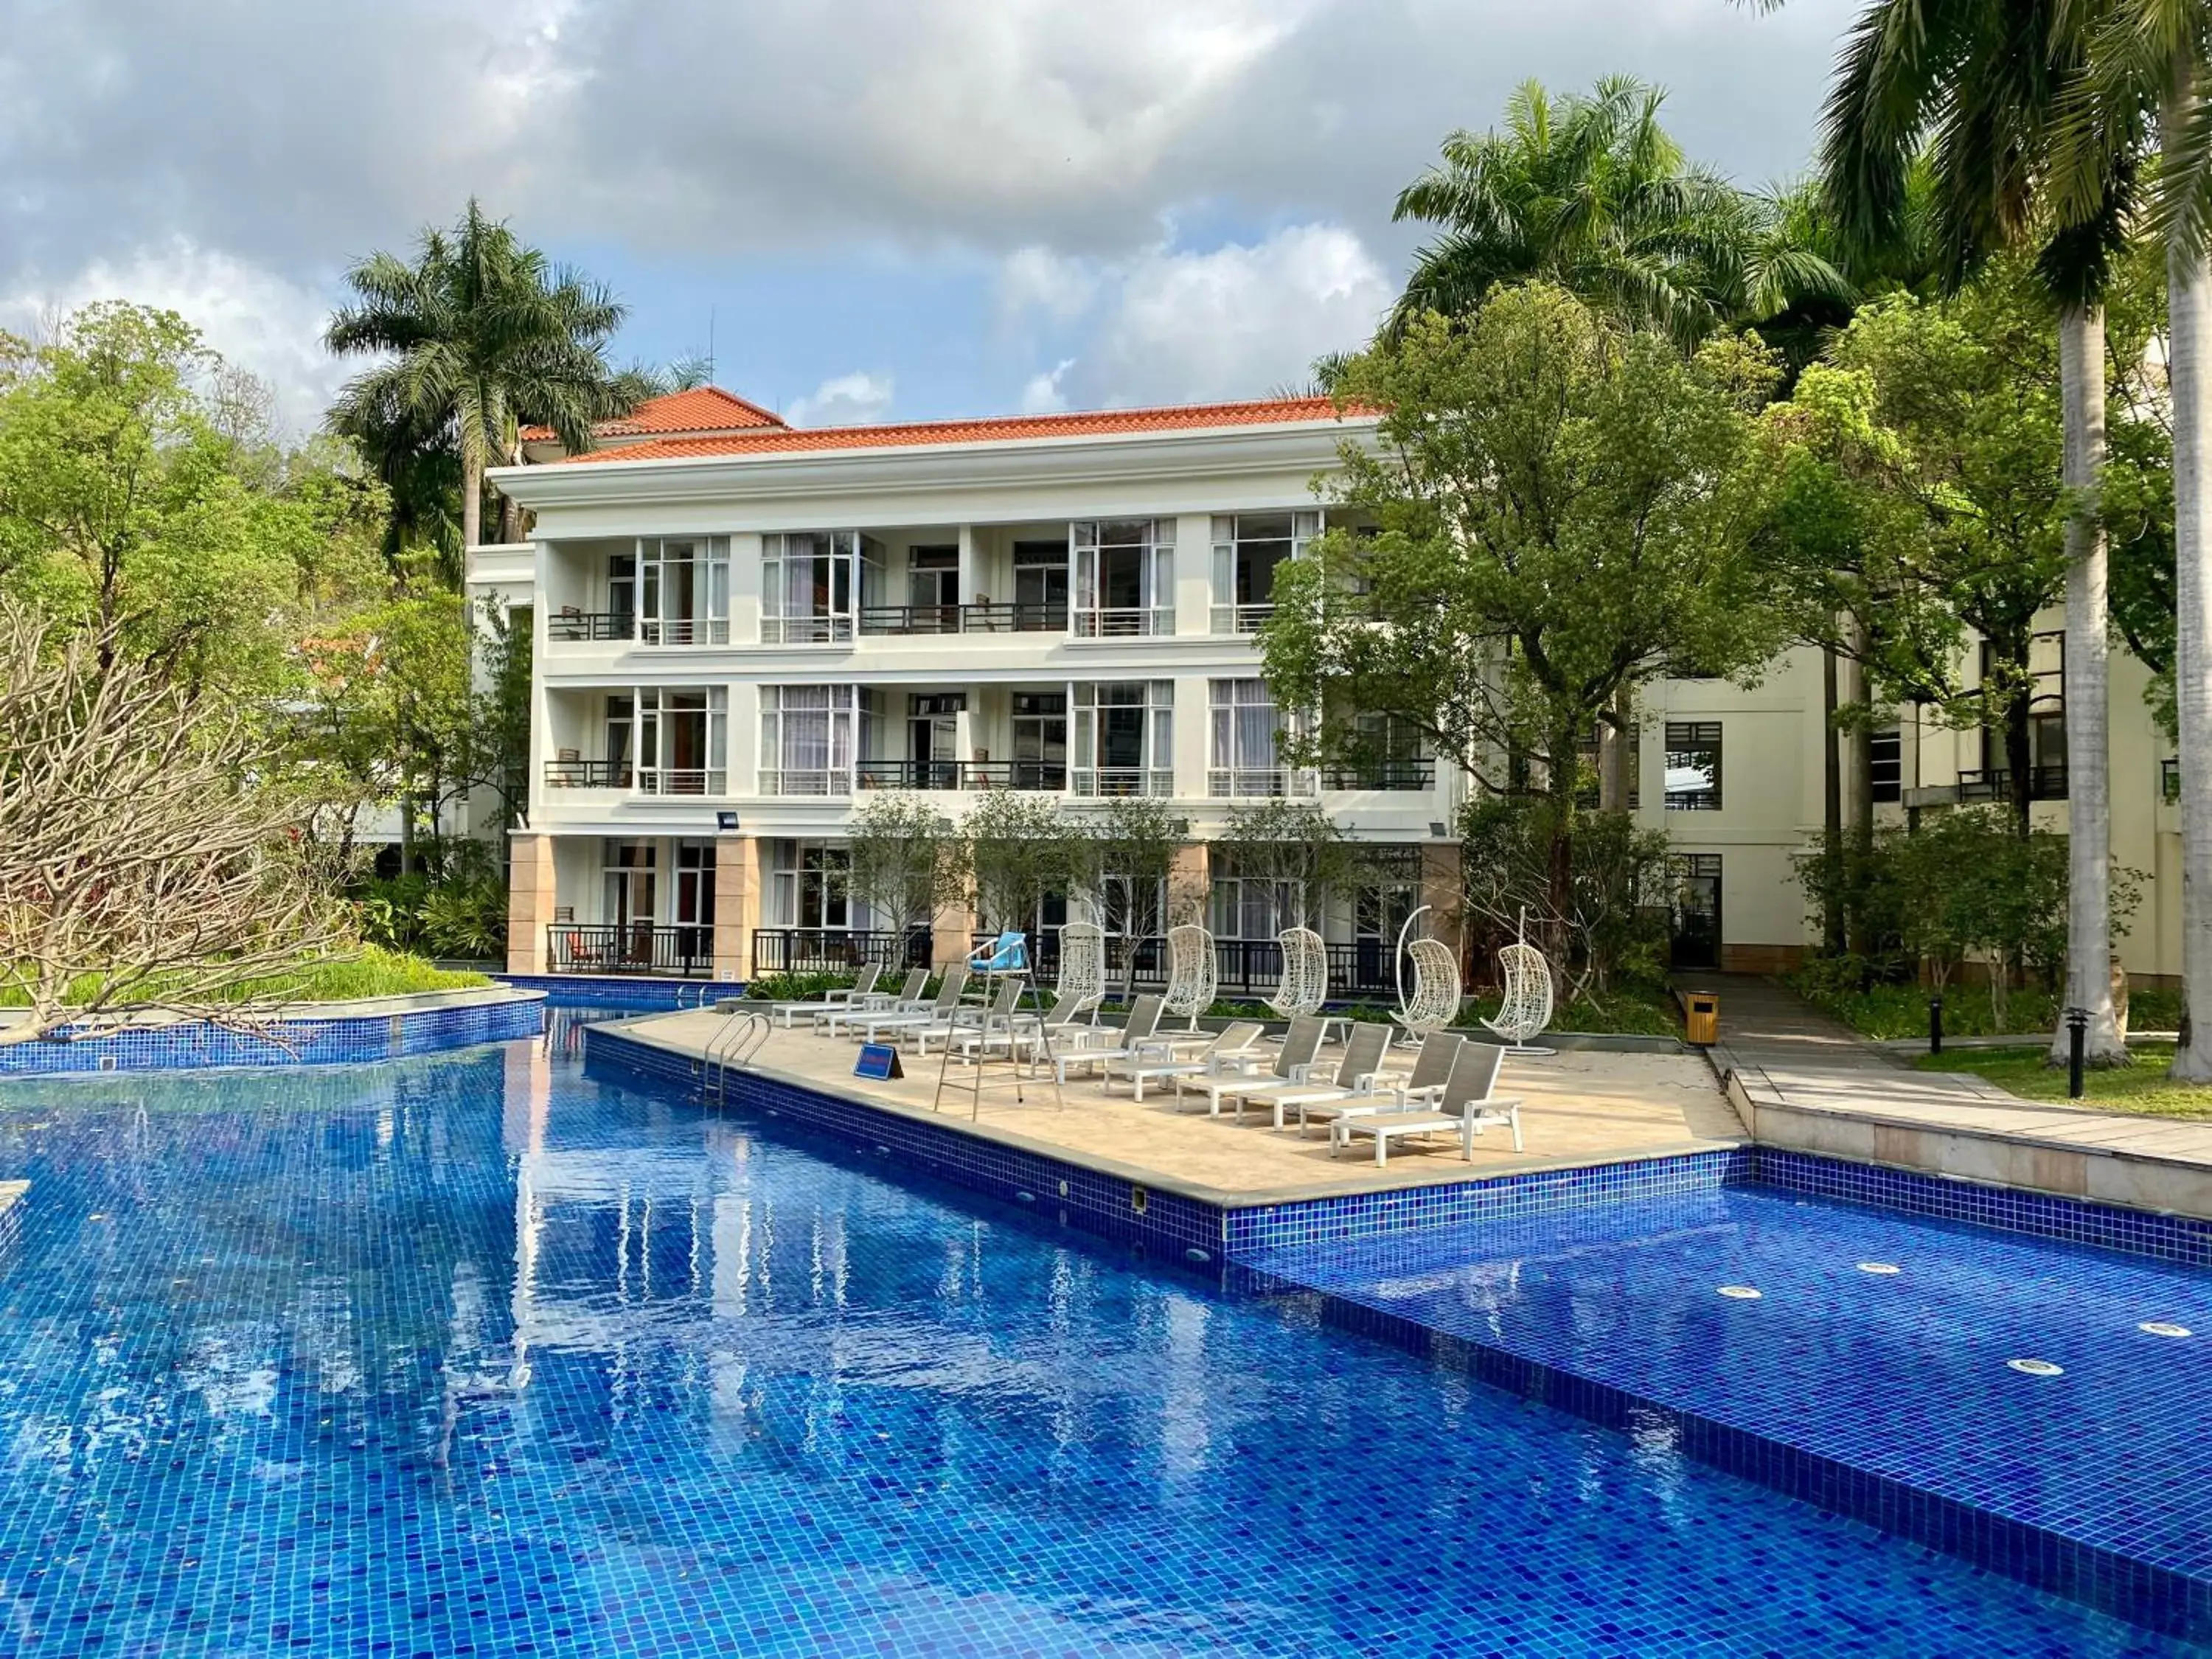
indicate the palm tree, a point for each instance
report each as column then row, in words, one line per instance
column 1971, row 90
column 481, row 335
column 2155, row 57
column 1589, row 193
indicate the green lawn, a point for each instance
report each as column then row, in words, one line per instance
column 1901, row 1011
column 2142, row 1087
column 371, row 972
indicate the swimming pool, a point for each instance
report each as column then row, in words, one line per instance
column 470, row 1354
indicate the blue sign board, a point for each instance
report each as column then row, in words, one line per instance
column 879, row 1060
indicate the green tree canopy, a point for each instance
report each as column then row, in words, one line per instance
column 481, row 335
column 1561, row 509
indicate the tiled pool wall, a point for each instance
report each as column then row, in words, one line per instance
column 348, row 1041
column 1104, row 1204
column 2154, row 1596
column 1081, row 1197
column 619, row 991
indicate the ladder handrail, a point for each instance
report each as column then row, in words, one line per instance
column 740, row 1036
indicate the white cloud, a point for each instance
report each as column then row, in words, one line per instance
column 1191, row 326
column 1040, row 393
column 856, row 400
column 259, row 321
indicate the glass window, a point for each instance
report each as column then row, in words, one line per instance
column 629, row 888
column 1241, row 758
column 1040, row 740
column 686, row 586
column 811, row 583
column 1124, row 738
column 1694, row 766
column 812, row 886
column 1246, row 549
column 682, row 739
column 1886, row 765
column 1124, row 577
column 808, row 738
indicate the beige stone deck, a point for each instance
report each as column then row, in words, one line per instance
column 1581, row 1107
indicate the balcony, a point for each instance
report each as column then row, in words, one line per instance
column 1402, row 775
column 568, row 625
column 569, row 773
column 1120, row 781
column 1124, row 622
column 837, row 949
column 1042, row 776
column 1241, row 618
column 686, row 951
column 1256, row 783
column 1995, row 784
column 986, row 618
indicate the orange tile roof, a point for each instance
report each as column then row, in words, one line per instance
column 702, row 408
column 1088, row 423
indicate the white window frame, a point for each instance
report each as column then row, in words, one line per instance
column 841, row 707
column 1154, row 612
column 653, row 739
column 1229, row 616
column 1155, row 775
column 851, row 558
column 1235, row 771
column 700, row 572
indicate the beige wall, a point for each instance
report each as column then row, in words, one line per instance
column 529, row 903
column 738, row 879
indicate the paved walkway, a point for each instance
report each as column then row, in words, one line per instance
column 1801, row 1080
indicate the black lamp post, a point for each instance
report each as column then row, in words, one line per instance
column 2077, row 1038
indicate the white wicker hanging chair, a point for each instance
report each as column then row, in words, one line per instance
column 1527, row 1009
column 1083, row 965
column 1434, row 1001
column 1191, row 974
column 1305, row 974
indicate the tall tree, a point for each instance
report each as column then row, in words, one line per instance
column 1980, row 83
column 1588, row 192
column 1563, row 509
column 481, row 335
column 2155, row 57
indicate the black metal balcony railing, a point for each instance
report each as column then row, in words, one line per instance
column 582, row 626
column 962, row 775
column 837, row 949
column 1244, row 970
column 588, row 775
column 1409, row 774
column 1995, row 784
column 910, row 618
column 1015, row 617
column 2169, row 780
column 686, row 950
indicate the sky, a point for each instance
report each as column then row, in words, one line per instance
column 868, row 208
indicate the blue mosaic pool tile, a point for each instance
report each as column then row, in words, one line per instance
column 192, row 1046
column 1071, row 1193
column 2005, row 1209
column 1886, row 1397
column 637, row 993
column 473, row 1355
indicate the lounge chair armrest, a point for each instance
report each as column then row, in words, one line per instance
column 1309, row 1073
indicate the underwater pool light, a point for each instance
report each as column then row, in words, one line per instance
column 2035, row 1368
column 1740, row 1293
column 1882, row 1267
column 2164, row 1327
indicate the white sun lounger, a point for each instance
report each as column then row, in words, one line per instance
column 1103, row 1043
column 907, row 998
column 1292, row 1061
column 1423, row 1086
column 861, row 988
column 1464, row 1107
column 874, row 1025
column 1355, row 1076
column 1232, row 1051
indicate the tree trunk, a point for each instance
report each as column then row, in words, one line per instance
column 471, row 503
column 1832, row 806
column 1613, row 754
column 2089, row 749
column 2019, row 775
column 2188, row 307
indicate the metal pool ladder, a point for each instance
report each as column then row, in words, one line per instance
column 735, row 1041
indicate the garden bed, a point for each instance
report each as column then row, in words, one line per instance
column 1901, row 1011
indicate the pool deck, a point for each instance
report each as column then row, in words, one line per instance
column 1800, row 1081
column 1580, row 1108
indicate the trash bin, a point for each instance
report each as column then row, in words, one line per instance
column 1701, row 1017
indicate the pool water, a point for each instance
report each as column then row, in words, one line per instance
column 472, row 1355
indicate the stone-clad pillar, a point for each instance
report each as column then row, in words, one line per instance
column 738, row 880
column 530, row 899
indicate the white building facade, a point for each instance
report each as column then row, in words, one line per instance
column 742, row 629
